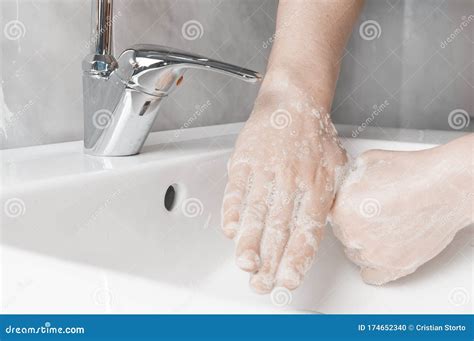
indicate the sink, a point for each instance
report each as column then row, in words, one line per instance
column 82, row 234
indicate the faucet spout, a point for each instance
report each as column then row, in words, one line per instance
column 156, row 69
column 122, row 97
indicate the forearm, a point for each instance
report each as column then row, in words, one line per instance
column 309, row 43
column 458, row 154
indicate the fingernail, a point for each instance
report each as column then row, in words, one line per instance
column 248, row 261
column 262, row 283
column 290, row 279
column 230, row 230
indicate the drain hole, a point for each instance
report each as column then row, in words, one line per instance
column 170, row 198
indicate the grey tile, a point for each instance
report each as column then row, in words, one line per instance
column 428, row 80
column 389, row 74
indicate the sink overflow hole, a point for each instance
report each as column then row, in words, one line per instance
column 170, row 198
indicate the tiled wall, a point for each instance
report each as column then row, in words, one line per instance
column 418, row 61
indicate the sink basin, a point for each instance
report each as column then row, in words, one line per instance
column 82, row 234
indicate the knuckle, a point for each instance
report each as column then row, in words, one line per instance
column 231, row 214
column 279, row 227
column 257, row 210
column 255, row 213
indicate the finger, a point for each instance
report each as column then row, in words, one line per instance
column 303, row 243
column 276, row 234
column 253, row 221
column 234, row 195
column 355, row 257
column 381, row 276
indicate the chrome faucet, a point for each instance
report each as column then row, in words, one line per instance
column 122, row 96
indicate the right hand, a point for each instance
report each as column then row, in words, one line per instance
column 397, row 210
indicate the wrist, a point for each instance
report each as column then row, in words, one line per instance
column 286, row 84
column 314, row 80
column 458, row 151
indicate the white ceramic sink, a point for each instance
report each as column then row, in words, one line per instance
column 82, row 234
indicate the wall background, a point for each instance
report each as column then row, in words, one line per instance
column 408, row 63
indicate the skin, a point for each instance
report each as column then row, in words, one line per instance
column 397, row 210
column 282, row 176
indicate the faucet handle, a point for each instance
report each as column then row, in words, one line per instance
column 156, row 70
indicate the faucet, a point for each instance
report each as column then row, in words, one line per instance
column 122, row 96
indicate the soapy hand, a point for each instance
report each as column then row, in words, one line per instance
column 397, row 210
column 281, row 185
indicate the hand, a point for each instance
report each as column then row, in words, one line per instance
column 282, row 182
column 397, row 210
